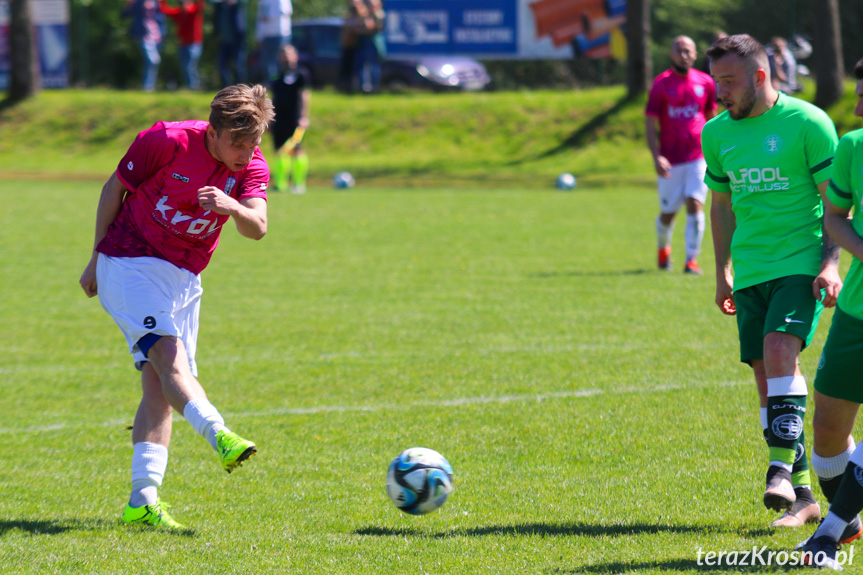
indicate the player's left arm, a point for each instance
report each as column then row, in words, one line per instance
column 828, row 278
column 249, row 213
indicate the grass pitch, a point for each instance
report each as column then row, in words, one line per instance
column 592, row 407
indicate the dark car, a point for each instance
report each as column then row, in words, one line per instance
column 318, row 42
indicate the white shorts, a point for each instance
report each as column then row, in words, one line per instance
column 686, row 181
column 150, row 295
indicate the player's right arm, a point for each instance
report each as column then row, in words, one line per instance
column 660, row 162
column 110, row 202
column 652, row 112
column 723, row 222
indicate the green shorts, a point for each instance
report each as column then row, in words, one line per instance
column 784, row 304
column 840, row 369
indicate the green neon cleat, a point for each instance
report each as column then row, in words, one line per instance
column 156, row 515
column 233, row 449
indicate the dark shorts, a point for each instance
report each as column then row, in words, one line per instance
column 283, row 132
column 784, row 304
column 840, row 369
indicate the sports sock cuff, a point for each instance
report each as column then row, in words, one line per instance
column 663, row 233
column 857, row 457
column 200, row 413
column 763, row 414
column 149, row 462
column 830, row 467
column 787, row 385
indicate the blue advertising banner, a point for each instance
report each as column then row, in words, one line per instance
column 507, row 29
column 51, row 21
column 475, row 28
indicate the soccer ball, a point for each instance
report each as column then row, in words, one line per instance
column 343, row 181
column 419, row 480
column 565, row 182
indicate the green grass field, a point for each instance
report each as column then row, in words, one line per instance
column 592, row 407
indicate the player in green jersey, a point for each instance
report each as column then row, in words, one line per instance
column 769, row 158
column 839, row 381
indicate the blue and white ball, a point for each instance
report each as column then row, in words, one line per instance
column 343, row 181
column 419, row 480
column 566, row 182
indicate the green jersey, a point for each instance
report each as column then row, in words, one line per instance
column 846, row 191
column 772, row 165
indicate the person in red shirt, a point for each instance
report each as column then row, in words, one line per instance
column 189, row 20
column 158, row 221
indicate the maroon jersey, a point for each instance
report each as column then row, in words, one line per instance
column 680, row 103
column 160, row 216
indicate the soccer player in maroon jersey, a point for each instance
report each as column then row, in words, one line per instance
column 681, row 101
column 158, row 221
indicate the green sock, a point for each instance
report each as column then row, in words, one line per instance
column 829, row 487
column 800, row 476
column 785, row 415
column 300, row 169
column 283, row 166
column 849, row 499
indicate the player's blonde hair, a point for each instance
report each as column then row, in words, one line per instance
column 245, row 111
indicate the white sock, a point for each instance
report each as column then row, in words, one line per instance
column 832, row 526
column 694, row 234
column 830, row 467
column 205, row 418
column 149, row 462
column 663, row 233
column 763, row 414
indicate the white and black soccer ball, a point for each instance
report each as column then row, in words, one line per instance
column 419, row 480
column 565, row 182
column 343, row 181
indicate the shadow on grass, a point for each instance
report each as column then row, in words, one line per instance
column 590, row 273
column 6, row 103
column 569, row 529
column 39, row 527
column 679, row 565
column 581, row 137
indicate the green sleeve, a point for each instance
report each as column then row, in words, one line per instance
column 715, row 176
column 840, row 182
column 820, row 143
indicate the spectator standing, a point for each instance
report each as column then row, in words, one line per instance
column 783, row 66
column 229, row 23
column 370, row 44
column 272, row 31
column 189, row 20
column 148, row 30
column 347, row 58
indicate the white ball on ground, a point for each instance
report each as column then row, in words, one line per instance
column 343, row 181
column 566, row 182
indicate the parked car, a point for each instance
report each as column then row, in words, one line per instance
column 318, row 42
